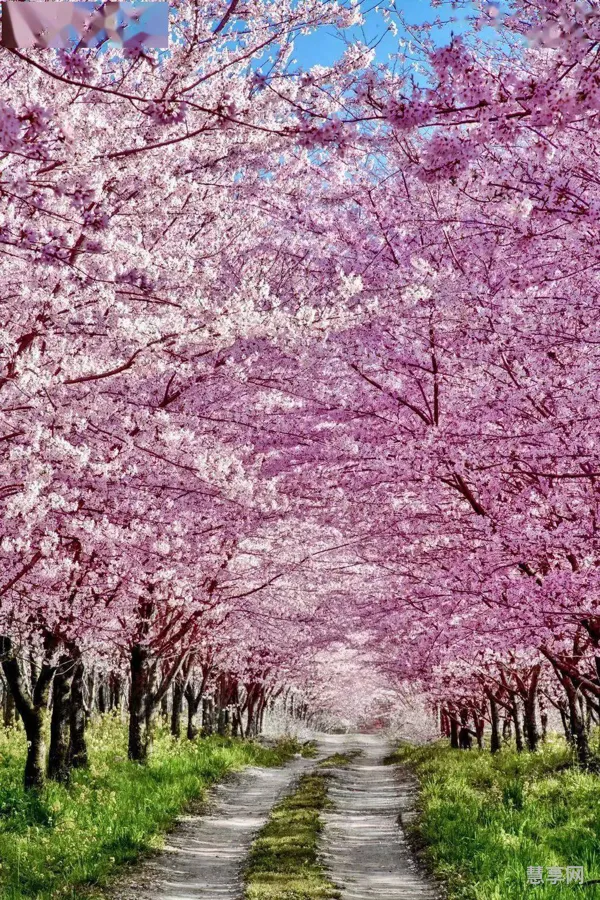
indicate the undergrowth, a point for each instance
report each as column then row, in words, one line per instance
column 56, row 843
column 483, row 820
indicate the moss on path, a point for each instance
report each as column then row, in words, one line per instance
column 284, row 861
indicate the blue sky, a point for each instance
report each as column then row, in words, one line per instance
column 325, row 46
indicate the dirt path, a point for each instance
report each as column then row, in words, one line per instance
column 202, row 858
column 363, row 844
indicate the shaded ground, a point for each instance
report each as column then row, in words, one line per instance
column 363, row 844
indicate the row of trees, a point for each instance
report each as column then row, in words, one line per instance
column 299, row 375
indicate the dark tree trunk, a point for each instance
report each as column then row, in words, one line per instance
column 32, row 707
column 464, row 735
column 35, row 765
column 454, row 733
column 261, row 716
column 164, row 707
column 577, row 722
column 566, row 725
column 530, row 707
column 207, row 717
column 193, row 701
column 444, row 724
column 115, row 691
column 250, row 721
column 495, row 720
column 507, row 728
column 177, row 706
column 102, row 695
column 224, row 726
column 518, row 723
column 78, row 756
column 139, row 697
column 60, row 723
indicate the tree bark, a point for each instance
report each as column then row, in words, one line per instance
column 115, row 691
column 193, row 705
column 139, row 720
column 530, row 708
column 60, row 723
column 102, row 695
column 207, row 716
column 518, row 723
column 78, row 756
column 32, row 707
column 454, row 733
column 177, row 706
column 577, row 722
column 464, row 734
column 495, row 720
column 164, row 707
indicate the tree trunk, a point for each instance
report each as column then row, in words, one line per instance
column 164, row 706
column 115, row 691
column 544, row 720
column 193, row 700
column 60, row 723
column 223, row 726
column 207, row 717
column 33, row 708
column 464, row 735
column 530, row 707
column 444, row 724
column 566, row 725
column 518, row 723
column 78, row 756
column 454, row 733
column 139, row 720
column 177, row 706
column 102, row 695
column 580, row 737
column 495, row 719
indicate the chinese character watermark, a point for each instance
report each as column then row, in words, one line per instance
column 555, row 875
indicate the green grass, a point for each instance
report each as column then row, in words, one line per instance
column 484, row 819
column 284, row 861
column 57, row 843
column 339, row 759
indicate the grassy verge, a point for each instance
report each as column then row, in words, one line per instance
column 284, row 860
column 55, row 844
column 483, row 820
column 339, row 759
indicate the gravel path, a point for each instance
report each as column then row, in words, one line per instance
column 202, row 858
column 363, row 845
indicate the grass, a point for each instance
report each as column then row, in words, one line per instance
column 58, row 843
column 484, row 819
column 339, row 759
column 284, row 861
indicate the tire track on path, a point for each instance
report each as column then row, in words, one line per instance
column 363, row 846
